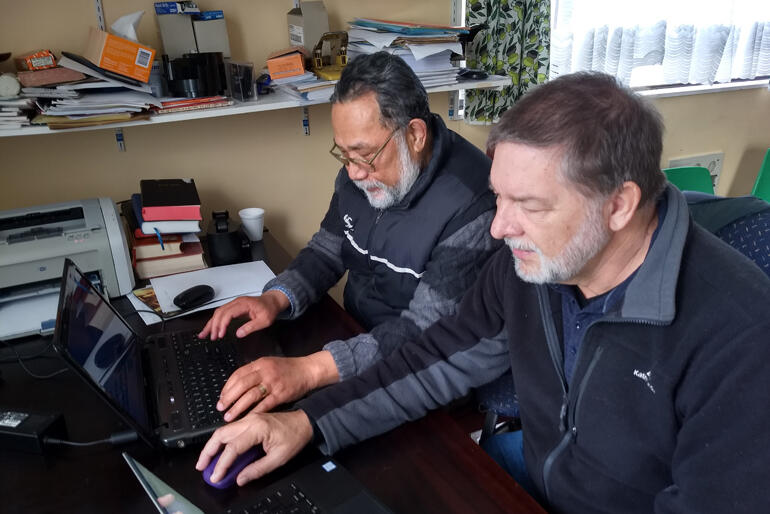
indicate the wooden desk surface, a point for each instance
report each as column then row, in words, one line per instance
column 428, row 466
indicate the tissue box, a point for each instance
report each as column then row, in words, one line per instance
column 119, row 55
column 307, row 23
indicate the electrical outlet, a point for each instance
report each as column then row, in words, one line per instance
column 711, row 161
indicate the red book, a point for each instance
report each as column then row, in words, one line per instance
column 170, row 200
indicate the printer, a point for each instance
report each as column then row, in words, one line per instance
column 34, row 242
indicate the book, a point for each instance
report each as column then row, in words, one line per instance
column 169, row 199
column 142, row 228
column 162, row 226
column 148, row 247
column 190, row 259
column 48, row 77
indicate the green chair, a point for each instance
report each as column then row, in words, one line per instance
column 762, row 184
column 690, row 178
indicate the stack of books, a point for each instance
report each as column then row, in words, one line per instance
column 163, row 222
column 191, row 104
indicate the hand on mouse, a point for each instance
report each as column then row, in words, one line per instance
column 261, row 311
column 271, row 381
column 282, row 435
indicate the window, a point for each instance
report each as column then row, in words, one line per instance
column 662, row 42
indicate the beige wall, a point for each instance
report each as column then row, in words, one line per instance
column 264, row 159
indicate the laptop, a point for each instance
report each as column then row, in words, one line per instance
column 164, row 386
column 323, row 486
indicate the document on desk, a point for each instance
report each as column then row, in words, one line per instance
column 229, row 282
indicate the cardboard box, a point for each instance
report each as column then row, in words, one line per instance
column 119, row 55
column 177, row 34
column 287, row 62
column 211, row 36
column 307, row 23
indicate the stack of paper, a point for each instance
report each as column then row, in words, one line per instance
column 15, row 112
column 96, row 101
column 427, row 49
column 314, row 89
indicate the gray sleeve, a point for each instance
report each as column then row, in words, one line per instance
column 413, row 395
column 316, row 268
column 452, row 356
column 453, row 267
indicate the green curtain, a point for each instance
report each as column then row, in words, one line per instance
column 515, row 43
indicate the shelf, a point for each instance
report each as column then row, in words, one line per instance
column 271, row 102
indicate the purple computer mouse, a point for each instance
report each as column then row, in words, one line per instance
column 241, row 462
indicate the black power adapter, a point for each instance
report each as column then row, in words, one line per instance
column 22, row 430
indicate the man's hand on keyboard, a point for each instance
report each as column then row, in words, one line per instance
column 281, row 434
column 271, row 381
column 261, row 311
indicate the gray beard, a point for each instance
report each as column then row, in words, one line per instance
column 388, row 196
column 589, row 240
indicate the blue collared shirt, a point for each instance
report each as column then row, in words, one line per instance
column 578, row 313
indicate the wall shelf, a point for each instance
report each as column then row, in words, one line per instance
column 271, row 102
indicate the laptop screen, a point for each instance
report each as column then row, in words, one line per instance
column 94, row 337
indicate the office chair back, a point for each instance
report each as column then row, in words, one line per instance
column 690, row 178
column 762, row 184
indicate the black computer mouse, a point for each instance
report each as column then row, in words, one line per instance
column 194, row 297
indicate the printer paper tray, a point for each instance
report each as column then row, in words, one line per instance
column 28, row 316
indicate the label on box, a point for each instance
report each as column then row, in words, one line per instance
column 296, row 35
column 210, row 15
column 176, row 8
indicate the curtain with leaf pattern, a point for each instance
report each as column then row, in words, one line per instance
column 514, row 43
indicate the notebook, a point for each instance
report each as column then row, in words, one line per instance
column 323, row 486
column 164, row 386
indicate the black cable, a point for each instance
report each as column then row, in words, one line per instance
column 27, row 370
column 115, row 439
column 6, row 360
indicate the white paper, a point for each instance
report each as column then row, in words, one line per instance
column 379, row 39
column 229, row 282
column 125, row 26
column 423, row 51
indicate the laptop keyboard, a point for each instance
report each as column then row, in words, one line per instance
column 288, row 499
column 204, row 367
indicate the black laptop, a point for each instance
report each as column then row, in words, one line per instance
column 321, row 487
column 164, row 386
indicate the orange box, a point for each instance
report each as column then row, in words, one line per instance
column 39, row 60
column 119, row 55
column 287, row 62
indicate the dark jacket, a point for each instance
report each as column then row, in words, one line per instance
column 668, row 408
column 407, row 265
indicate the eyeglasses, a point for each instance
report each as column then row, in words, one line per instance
column 367, row 165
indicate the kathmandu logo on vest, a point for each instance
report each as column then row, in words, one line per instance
column 348, row 221
column 646, row 377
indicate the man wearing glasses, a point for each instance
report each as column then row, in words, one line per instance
column 409, row 221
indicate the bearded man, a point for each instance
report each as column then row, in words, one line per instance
column 409, row 221
column 637, row 340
